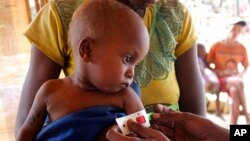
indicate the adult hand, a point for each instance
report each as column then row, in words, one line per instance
column 41, row 69
column 181, row 126
column 142, row 133
column 174, row 125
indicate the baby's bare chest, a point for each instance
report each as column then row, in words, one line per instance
column 65, row 104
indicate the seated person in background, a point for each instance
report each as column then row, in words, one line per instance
column 231, row 74
column 226, row 55
column 210, row 79
column 107, row 46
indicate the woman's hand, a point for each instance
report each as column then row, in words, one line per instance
column 179, row 126
column 174, row 125
column 141, row 133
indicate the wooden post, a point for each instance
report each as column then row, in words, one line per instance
column 27, row 7
column 37, row 5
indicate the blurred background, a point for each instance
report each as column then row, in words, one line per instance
column 211, row 17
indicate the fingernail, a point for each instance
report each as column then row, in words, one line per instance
column 155, row 116
column 131, row 122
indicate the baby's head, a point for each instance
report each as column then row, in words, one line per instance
column 231, row 66
column 108, row 39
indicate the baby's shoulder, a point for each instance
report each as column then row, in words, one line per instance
column 53, row 83
column 128, row 93
column 52, row 86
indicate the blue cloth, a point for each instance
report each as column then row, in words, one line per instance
column 84, row 125
column 136, row 88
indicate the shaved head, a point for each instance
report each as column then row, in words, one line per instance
column 100, row 19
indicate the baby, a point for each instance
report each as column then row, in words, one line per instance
column 108, row 40
column 231, row 68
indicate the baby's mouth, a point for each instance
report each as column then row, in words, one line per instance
column 125, row 85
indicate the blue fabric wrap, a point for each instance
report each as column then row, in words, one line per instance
column 136, row 88
column 84, row 125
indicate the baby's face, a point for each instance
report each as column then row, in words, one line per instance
column 231, row 66
column 114, row 59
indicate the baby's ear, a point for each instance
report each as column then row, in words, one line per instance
column 85, row 50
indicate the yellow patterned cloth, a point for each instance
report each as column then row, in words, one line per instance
column 171, row 34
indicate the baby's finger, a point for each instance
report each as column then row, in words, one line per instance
column 145, row 132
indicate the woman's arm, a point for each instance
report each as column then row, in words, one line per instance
column 35, row 119
column 192, row 94
column 40, row 70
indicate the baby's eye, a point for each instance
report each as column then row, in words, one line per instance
column 127, row 59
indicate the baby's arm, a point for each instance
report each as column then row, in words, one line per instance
column 132, row 102
column 35, row 119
